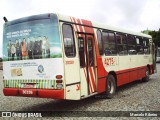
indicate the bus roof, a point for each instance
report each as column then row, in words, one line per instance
column 29, row 18
column 67, row 19
column 105, row 27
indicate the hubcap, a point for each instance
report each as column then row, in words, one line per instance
column 110, row 87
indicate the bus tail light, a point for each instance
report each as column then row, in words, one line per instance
column 59, row 76
column 58, row 81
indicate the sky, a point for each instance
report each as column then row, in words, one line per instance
column 134, row 15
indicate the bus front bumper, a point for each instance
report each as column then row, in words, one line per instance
column 42, row 93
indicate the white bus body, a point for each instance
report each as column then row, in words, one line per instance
column 62, row 57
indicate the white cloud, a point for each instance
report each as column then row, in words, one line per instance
column 151, row 15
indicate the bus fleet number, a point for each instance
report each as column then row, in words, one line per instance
column 109, row 61
column 27, row 92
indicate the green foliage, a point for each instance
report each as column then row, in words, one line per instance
column 155, row 37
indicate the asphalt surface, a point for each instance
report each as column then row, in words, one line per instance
column 136, row 96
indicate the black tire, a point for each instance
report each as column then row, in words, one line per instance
column 110, row 86
column 146, row 78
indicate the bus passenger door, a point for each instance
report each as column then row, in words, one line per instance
column 88, row 69
column 71, row 64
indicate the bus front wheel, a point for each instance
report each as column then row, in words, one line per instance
column 110, row 86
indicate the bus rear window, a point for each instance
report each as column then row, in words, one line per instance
column 37, row 39
column 68, row 39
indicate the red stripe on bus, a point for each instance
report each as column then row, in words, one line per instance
column 88, row 29
column 80, row 26
column 74, row 20
column 90, row 82
column 85, row 73
column 93, row 79
column 74, row 26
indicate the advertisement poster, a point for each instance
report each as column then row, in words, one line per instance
column 37, row 39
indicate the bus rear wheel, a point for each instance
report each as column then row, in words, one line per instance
column 146, row 78
column 110, row 86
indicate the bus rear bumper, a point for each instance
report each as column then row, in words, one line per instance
column 42, row 93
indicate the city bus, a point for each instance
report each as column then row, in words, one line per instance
column 158, row 55
column 62, row 57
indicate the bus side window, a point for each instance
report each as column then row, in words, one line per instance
column 109, row 43
column 146, row 46
column 132, row 49
column 81, row 51
column 121, row 44
column 140, row 49
column 68, row 39
column 100, row 42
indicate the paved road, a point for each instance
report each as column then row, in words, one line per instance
column 132, row 97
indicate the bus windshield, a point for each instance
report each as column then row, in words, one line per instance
column 33, row 39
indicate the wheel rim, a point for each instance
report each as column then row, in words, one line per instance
column 110, row 87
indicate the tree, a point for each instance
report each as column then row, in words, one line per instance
column 155, row 37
